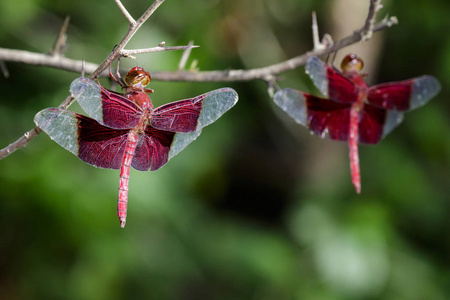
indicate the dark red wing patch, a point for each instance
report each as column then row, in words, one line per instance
column 118, row 111
column 371, row 124
column 404, row 95
column 391, row 95
column 152, row 150
column 328, row 117
column 340, row 88
column 179, row 116
column 100, row 146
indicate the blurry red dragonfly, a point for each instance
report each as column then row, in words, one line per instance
column 353, row 111
column 125, row 130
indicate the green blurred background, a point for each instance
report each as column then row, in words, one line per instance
column 256, row 207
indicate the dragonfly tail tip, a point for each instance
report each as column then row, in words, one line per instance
column 122, row 222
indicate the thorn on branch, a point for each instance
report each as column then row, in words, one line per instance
column 193, row 67
column 272, row 86
column 390, row 21
column 327, row 41
column 185, row 56
column 60, row 45
column 4, row 69
column 128, row 53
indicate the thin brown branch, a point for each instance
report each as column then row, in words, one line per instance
column 134, row 27
column 4, row 69
column 46, row 60
column 327, row 41
column 125, row 12
column 20, row 143
column 60, row 44
column 185, row 56
column 315, row 32
column 205, row 76
column 262, row 73
column 128, row 53
column 367, row 31
column 63, row 63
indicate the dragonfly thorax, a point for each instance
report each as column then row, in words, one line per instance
column 139, row 97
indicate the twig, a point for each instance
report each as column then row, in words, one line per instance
column 63, row 63
column 125, row 12
column 46, row 60
column 60, row 44
column 129, row 53
column 326, row 40
column 131, row 31
column 22, row 142
column 4, row 69
column 367, row 31
column 185, row 56
column 315, row 32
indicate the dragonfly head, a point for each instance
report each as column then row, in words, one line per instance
column 138, row 78
column 351, row 64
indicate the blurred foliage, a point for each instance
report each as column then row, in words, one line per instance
column 255, row 208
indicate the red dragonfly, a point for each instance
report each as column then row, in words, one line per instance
column 356, row 112
column 125, row 130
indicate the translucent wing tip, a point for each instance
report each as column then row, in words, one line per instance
column 88, row 95
column 60, row 126
column 393, row 119
column 45, row 117
column 317, row 71
column 230, row 95
column 293, row 103
column 424, row 88
column 78, row 86
column 215, row 104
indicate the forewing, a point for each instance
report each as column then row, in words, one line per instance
column 108, row 108
column 404, row 95
column 321, row 116
column 92, row 142
column 331, row 83
column 193, row 114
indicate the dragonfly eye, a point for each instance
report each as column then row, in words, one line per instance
column 351, row 63
column 137, row 76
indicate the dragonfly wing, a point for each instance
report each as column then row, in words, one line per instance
column 393, row 119
column 193, row 114
column 152, row 149
column 321, row 116
column 331, row 83
column 108, row 108
column 156, row 147
column 375, row 123
column 404, row 95
column 90, row 141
